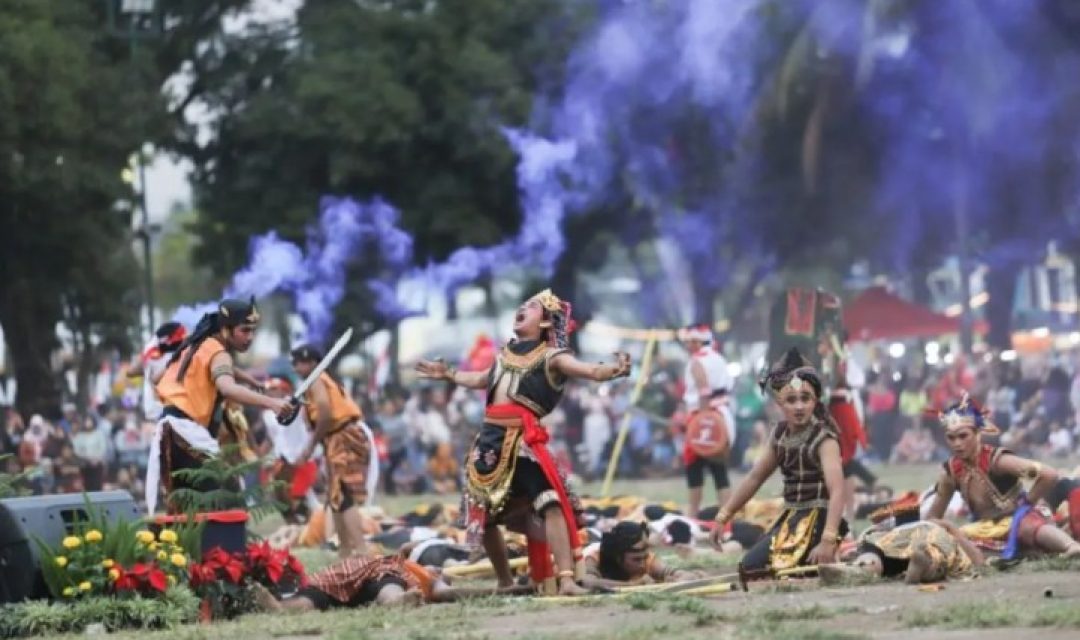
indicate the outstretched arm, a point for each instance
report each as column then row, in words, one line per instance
column 243, row 377
column 439, row 370
column 764, row 467
column 322, row 427
column 571, row 367
column 223, row 375
column 1045, row 477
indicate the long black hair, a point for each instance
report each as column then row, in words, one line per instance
column 614, row 544
column 230, row 313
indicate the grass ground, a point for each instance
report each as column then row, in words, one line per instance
column 1040, row 597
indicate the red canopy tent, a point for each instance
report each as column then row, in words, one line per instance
column 876, row 314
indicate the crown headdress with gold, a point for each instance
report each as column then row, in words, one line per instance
column 967, row 413
column 793, row 371
column 549, row 301
column 560, row 312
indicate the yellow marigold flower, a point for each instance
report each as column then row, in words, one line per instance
column 154, row 546
column 60, row 561
column 93, row 535
column 114, row 574
column 168, row 535
column 161, row 555
column 69, row 592
column 108, row 563
column 71, row 542
column 144, row 536
column 178, row 559
column 85, row 585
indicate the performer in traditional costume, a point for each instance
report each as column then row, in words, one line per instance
column 708, row 395
column 622, row 558
column 898, row 544
column 199, row 376
column 151, row 365
column 1006, row 520
column 512, row 478
column 351, row 463
column 368, row 580
column 804, row 445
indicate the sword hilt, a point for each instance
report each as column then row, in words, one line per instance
column 290, row 414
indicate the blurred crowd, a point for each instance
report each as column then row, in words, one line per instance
column 423, row 431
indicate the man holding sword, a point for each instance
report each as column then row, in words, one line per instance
column 337, row 424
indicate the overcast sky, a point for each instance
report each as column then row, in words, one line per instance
column 167, row 182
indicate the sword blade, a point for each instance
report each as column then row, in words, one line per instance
column 323, row 364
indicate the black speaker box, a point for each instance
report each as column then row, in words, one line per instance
column 49, row 518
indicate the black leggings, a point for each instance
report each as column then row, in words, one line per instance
column 695, row 473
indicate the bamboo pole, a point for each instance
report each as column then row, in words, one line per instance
column 482, row 568
column 624, row 428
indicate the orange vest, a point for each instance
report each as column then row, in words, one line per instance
column 342, row 407
column 197, row 394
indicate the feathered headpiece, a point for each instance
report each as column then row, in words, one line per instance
column 967, row 413
column 560, row 314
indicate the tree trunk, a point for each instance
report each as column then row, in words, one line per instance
column 84, row 367
column 393, row 377
column 1001, row 285
column 29, row 319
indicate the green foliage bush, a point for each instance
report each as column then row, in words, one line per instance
column 36, row 618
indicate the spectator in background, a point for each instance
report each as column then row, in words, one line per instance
column 91, row 446
column 1060, row 441
column 880, row 404
column 442, row 470
column 54, row 442
column 913, row 402
column 916, row 445
column 69, row 422
column 1001, row 401
column 397, row 439
column 131, row 445
column 597, row 435
column 68, row 471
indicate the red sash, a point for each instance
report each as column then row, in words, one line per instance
column 537, row 438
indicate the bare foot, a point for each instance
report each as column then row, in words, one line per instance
column 918, row 567
column 265, row 600
column 567, row 587
column 1073, row 551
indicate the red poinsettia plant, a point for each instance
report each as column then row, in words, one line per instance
column 144, row 579
column 224, row 579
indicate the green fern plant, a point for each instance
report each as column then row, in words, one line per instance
column 220, row 475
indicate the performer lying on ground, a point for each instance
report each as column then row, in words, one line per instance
column 511, row 475
column 199, row 374
column 336, row 422
column 805, row 447
column 362, row 580
column 622, row 558
column 1006, row 520
column 899, row 544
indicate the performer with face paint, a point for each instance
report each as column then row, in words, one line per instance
column 198, row 377
column 512, row 478
column 805, row 447
column 1007, row 521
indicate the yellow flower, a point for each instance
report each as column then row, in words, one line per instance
column 161, row 555
column 114, row 574
column 60, row 561
column 168, row 535
column 68, row 592
column 71, row 542
column 154, row 546
column 178, row 559
column 85, row 585
column 172, row 581
column 144, row 536
column 93, row 535
column 107, row 563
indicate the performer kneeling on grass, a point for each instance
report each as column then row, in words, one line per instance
column 198, row 376
column 805, row 447
column 351, row 464
column 622, row 558
column 1006, row 520
column 512, row 477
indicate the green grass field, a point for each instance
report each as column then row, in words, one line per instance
column 994, row 604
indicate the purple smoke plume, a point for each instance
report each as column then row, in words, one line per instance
column 315, row 277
